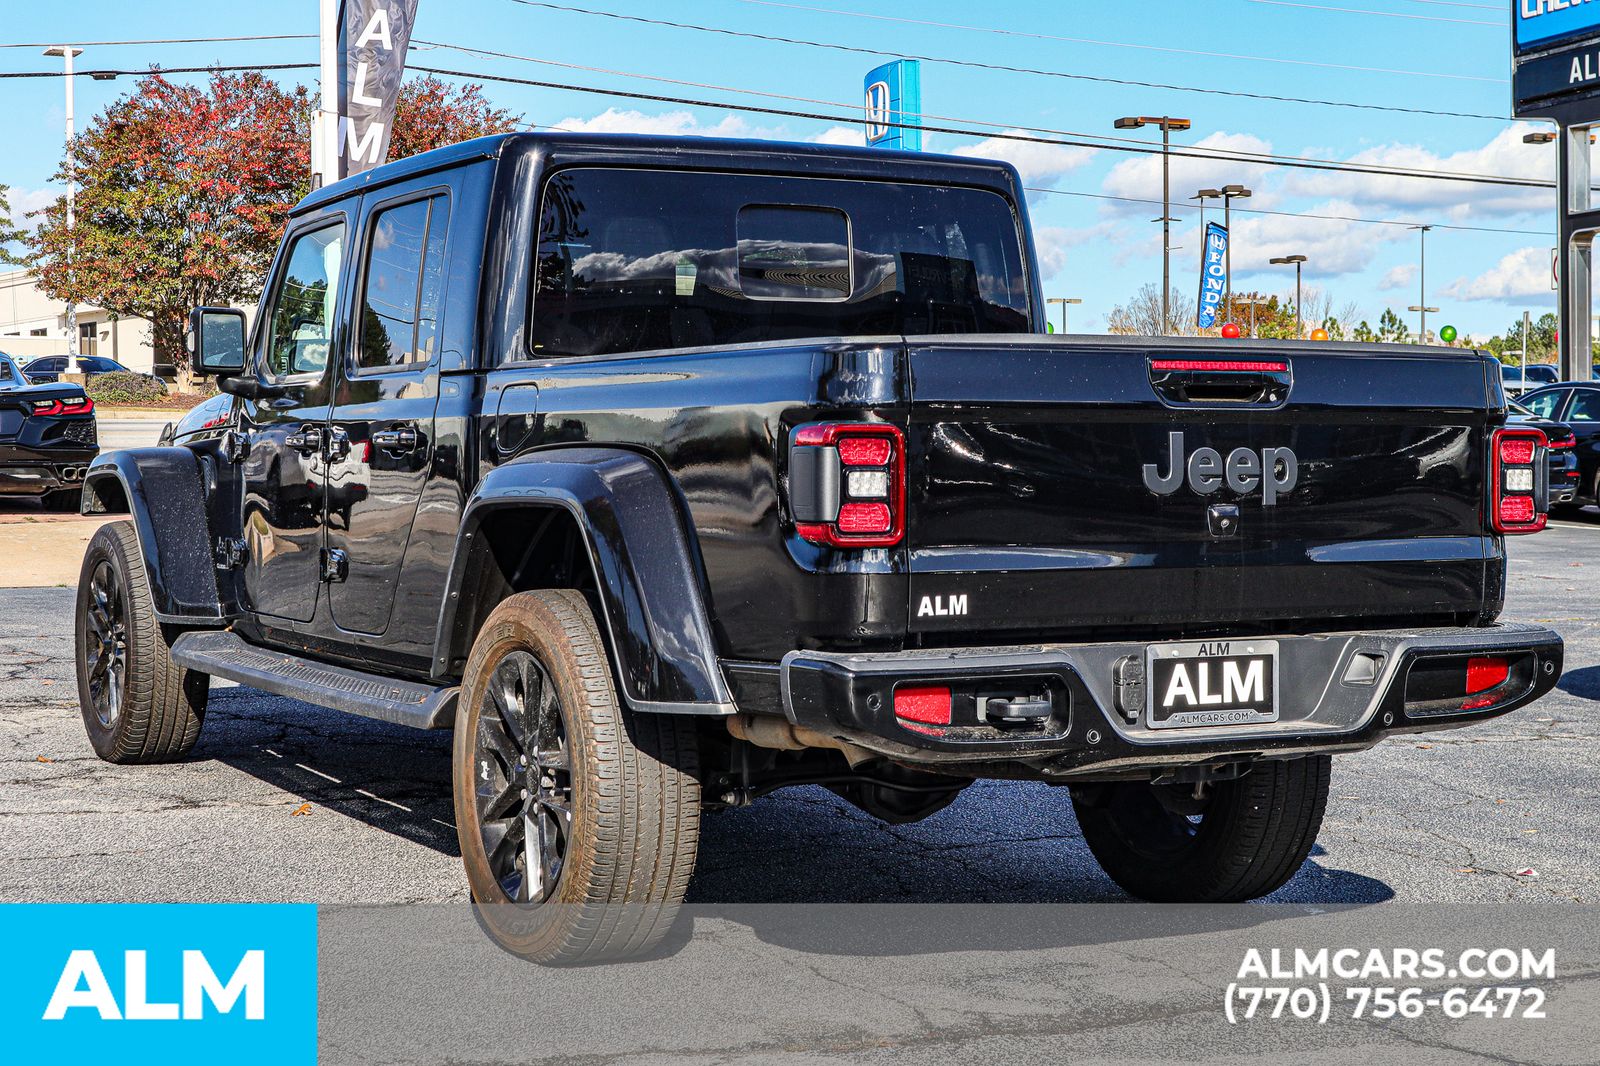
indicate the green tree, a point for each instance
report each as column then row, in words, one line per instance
column 10, row 234
column 1392, row 329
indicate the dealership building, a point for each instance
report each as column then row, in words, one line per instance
column 32, row 324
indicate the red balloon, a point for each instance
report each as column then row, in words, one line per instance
column 1230, row 330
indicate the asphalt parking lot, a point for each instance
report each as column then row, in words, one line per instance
column 285, row 802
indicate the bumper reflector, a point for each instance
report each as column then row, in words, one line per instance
column 929, row 704
column 1486, row 673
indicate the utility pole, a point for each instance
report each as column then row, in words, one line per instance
column 325, row 130
column 1167, row 124
column 67, row 53
column 1064, row 301
column 1527, row 325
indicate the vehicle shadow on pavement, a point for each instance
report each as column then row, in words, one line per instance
column 1583, row 683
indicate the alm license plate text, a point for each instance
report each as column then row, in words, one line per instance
column 1211, row 683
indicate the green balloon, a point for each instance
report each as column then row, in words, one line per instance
column 1448, row 334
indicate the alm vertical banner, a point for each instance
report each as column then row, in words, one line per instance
column 1213, row 275
column 373, row 38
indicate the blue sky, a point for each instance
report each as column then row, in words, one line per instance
column 1419, row 54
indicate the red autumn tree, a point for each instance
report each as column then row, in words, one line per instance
column 182, row 194
column 430, row 114
column 183, row 191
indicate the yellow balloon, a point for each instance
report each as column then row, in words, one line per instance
column 1319, row 334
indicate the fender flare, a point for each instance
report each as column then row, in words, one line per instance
column 161, row 491
column 646, row 568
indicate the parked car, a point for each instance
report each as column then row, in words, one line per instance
column 1564, row 473
column 51, row 367
column 1576, row 403
column 1520, row 379
column 47, row 439
column 672, row 472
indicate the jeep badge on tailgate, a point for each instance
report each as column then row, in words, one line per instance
column 1273, row 470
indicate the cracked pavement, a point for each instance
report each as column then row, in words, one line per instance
column 285, row 802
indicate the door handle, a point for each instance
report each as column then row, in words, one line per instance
column 307, row 441
column 399, row 439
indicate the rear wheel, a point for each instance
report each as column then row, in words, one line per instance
column 138, row 705
column 1244, row 839
column 578, row 820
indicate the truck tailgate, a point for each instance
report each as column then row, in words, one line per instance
column 1042, row 494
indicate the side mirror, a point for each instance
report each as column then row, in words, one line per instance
column 217, row 340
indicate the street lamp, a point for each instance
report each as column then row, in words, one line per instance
column 1063, row 301
column 1299, row 319
column 1422, row 283
column 67, row 53
column 1167, row 124
column 1425, row 311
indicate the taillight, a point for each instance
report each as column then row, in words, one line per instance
column 1515, row 474
column 847, row 484
column 62, row 407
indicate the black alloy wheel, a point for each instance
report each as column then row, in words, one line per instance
column 523, row 779
column 105, row 641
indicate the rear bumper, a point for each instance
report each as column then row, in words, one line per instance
column 1337, row 692
column 36, row 471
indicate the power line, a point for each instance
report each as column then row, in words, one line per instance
column 1385, row 14
column 1099, row 140
column 110, row 73
column 1294, row 214
column 949, row 61
column 167, row 40
column 1118, row 44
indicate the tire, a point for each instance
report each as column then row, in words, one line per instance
column 65, row 501
column 138, row 705
column 1241, row 843
column 612, row 796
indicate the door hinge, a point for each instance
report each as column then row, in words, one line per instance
column 229, row 553
column 335, row 564
column 235, row 446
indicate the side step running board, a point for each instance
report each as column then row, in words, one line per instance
column 225, row 654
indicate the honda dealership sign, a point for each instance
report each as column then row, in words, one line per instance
column 1556, row 54
column 894, row 106
column 1213, row 275
column 373, row 39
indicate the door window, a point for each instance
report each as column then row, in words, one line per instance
column 1544, row 404
column 300, row 328
column 402, row 286
column 1585, row 406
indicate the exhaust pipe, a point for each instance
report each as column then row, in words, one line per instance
column 781, row 735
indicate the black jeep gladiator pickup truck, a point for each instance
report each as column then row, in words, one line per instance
column 672, row 472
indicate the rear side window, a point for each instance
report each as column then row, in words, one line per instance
column 400, row 290
column 637, row 260
column 1545, row 403
column 1585, row 406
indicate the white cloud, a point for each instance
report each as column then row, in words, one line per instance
column 1504, row 155
column 1331, row 246
column 845, row 135
column 26, row 201
column 1140, row 176
column 670, row 123
column 1398, row 278
column 1041, row 165
column 1522, row 275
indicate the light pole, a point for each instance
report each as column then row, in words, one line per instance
column 1230, row 193
column 1167, row 124
column 1299, row 318
column 67, row 53
column 1063, row 301
column 1425, row 311
column 1422, row 284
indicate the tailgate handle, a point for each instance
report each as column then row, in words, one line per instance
column 1235, row 382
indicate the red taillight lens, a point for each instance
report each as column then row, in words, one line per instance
column 46, row 407
column 847, row 484
column 1516, row 450
column 1223, row 366
column 858, row 518
column 62, row 407
column 1515, row 460
column 77, row 407
column 1485, row 674
column 1516, row 510
column 865, row 451
column 928, row 704
column 1564, row 443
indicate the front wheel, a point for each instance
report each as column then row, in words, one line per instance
column 578, row 820
column 1242, row 840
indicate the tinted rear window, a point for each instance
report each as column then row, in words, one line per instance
column 635, row 260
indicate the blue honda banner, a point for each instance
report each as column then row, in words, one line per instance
column 1213, row 275
column 894, row 106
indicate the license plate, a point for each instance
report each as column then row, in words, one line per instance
column 1211, row 683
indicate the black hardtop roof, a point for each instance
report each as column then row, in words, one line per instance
column 691, row 152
